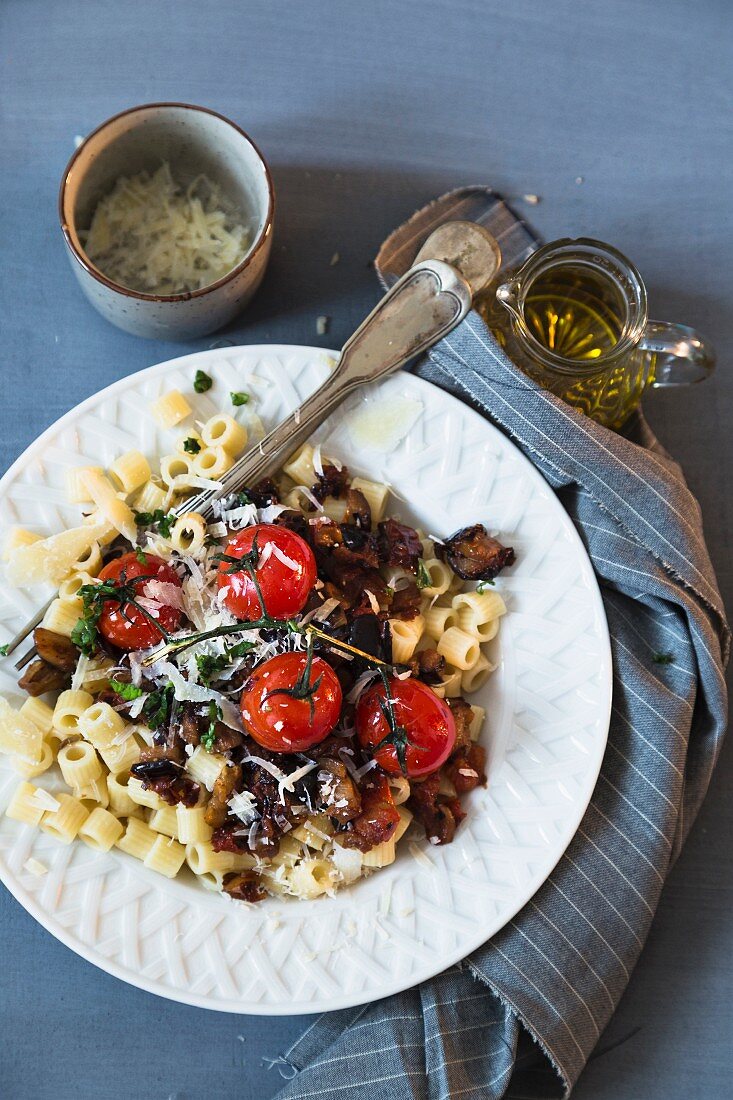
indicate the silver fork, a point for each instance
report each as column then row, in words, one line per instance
column 423, row 306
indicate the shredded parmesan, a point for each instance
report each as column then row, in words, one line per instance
column 287, row 783
column 373, row 601
column 151, row 236
column 282, row 557
column 79, row 672
column 42, row 800
column 35, row 867
column 243, row 806
column 419, row 855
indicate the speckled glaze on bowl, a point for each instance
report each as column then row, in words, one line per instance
column 194, row 140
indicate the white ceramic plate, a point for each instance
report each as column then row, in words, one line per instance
column 547, row 704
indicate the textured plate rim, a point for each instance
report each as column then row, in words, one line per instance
column 443, row 962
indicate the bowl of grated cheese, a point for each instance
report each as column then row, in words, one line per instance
column 167, row 213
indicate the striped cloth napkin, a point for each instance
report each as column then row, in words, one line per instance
column 520, row 1016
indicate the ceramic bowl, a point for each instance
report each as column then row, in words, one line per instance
column 194, row 140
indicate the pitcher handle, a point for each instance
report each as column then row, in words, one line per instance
column 683, row 356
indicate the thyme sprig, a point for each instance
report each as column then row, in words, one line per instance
column 397, row 737
column 95, row 596
column 209, row 737
column 302, row 688
column 247, row 563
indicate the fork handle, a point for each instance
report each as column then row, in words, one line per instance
column 423, row 306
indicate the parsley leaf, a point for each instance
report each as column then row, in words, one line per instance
column 423, row 577
column 94, row 596
column 202, row 382
column 158, row 519
column 157, row 707
column 140, row 555
column 191, row 446
column 208, row 738
column 663, row 658
column 128, row 692
column 483, row 585
column 210, row 665
column 85, row 633
column 239, row 398
column 4, row 649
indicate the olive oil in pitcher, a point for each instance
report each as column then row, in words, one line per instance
column 574, row 317
column 574, row 312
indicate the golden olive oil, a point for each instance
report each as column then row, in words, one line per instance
column 578, row 313
column 575, row 312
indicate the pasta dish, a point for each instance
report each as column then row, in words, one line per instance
column 270, row 699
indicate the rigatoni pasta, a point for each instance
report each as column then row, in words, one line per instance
column 176, row 749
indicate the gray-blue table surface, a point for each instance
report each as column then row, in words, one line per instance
column 618, row 116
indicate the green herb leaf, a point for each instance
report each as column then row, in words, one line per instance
column 128, row 692
column 157, row 707
column 4, row 649
column 94, row 596
column 158, row 519
column 210, row 665
column 84, row 635
column 243, row 498
column 663, row 658
column 208, row 738
column 202, row 382
column 423, row 577
column 302, row 688
column 140, row 555
column 483, row 585
column 191, row 446
column 239, row 398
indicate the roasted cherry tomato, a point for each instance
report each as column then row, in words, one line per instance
column 127, row 627
column 285, row 569
column 291, row 702
column 423, row 723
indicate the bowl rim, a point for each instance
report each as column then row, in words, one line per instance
column 81, row 257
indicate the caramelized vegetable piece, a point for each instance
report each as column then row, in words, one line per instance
column 331, row 483
column 244, row 886
column 358, row 511
column 428, row 665
column 463, row 717
column 439, row 818
column 467, row 769
column 41, row 677
column 56, row 649
column 337, row 792
column 399, row 545
column 473, row 554
column 227, row 782
column 378, row 819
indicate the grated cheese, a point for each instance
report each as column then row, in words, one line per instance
column 44, row 801
column 243, row 806
column 153, row 237
column 287, row 783
column 419, row 855
column 35, row 867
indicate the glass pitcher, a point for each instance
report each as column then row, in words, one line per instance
column 574, row 317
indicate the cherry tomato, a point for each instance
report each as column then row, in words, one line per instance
column 127, row 627
column 284, row 589
column 288, row 706
column 425, row 719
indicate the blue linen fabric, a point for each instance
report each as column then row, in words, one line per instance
column 521, row 1016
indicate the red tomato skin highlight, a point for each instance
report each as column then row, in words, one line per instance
column 262, row 711
column 139, row 632
column 284, row 590
column 431, row 729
